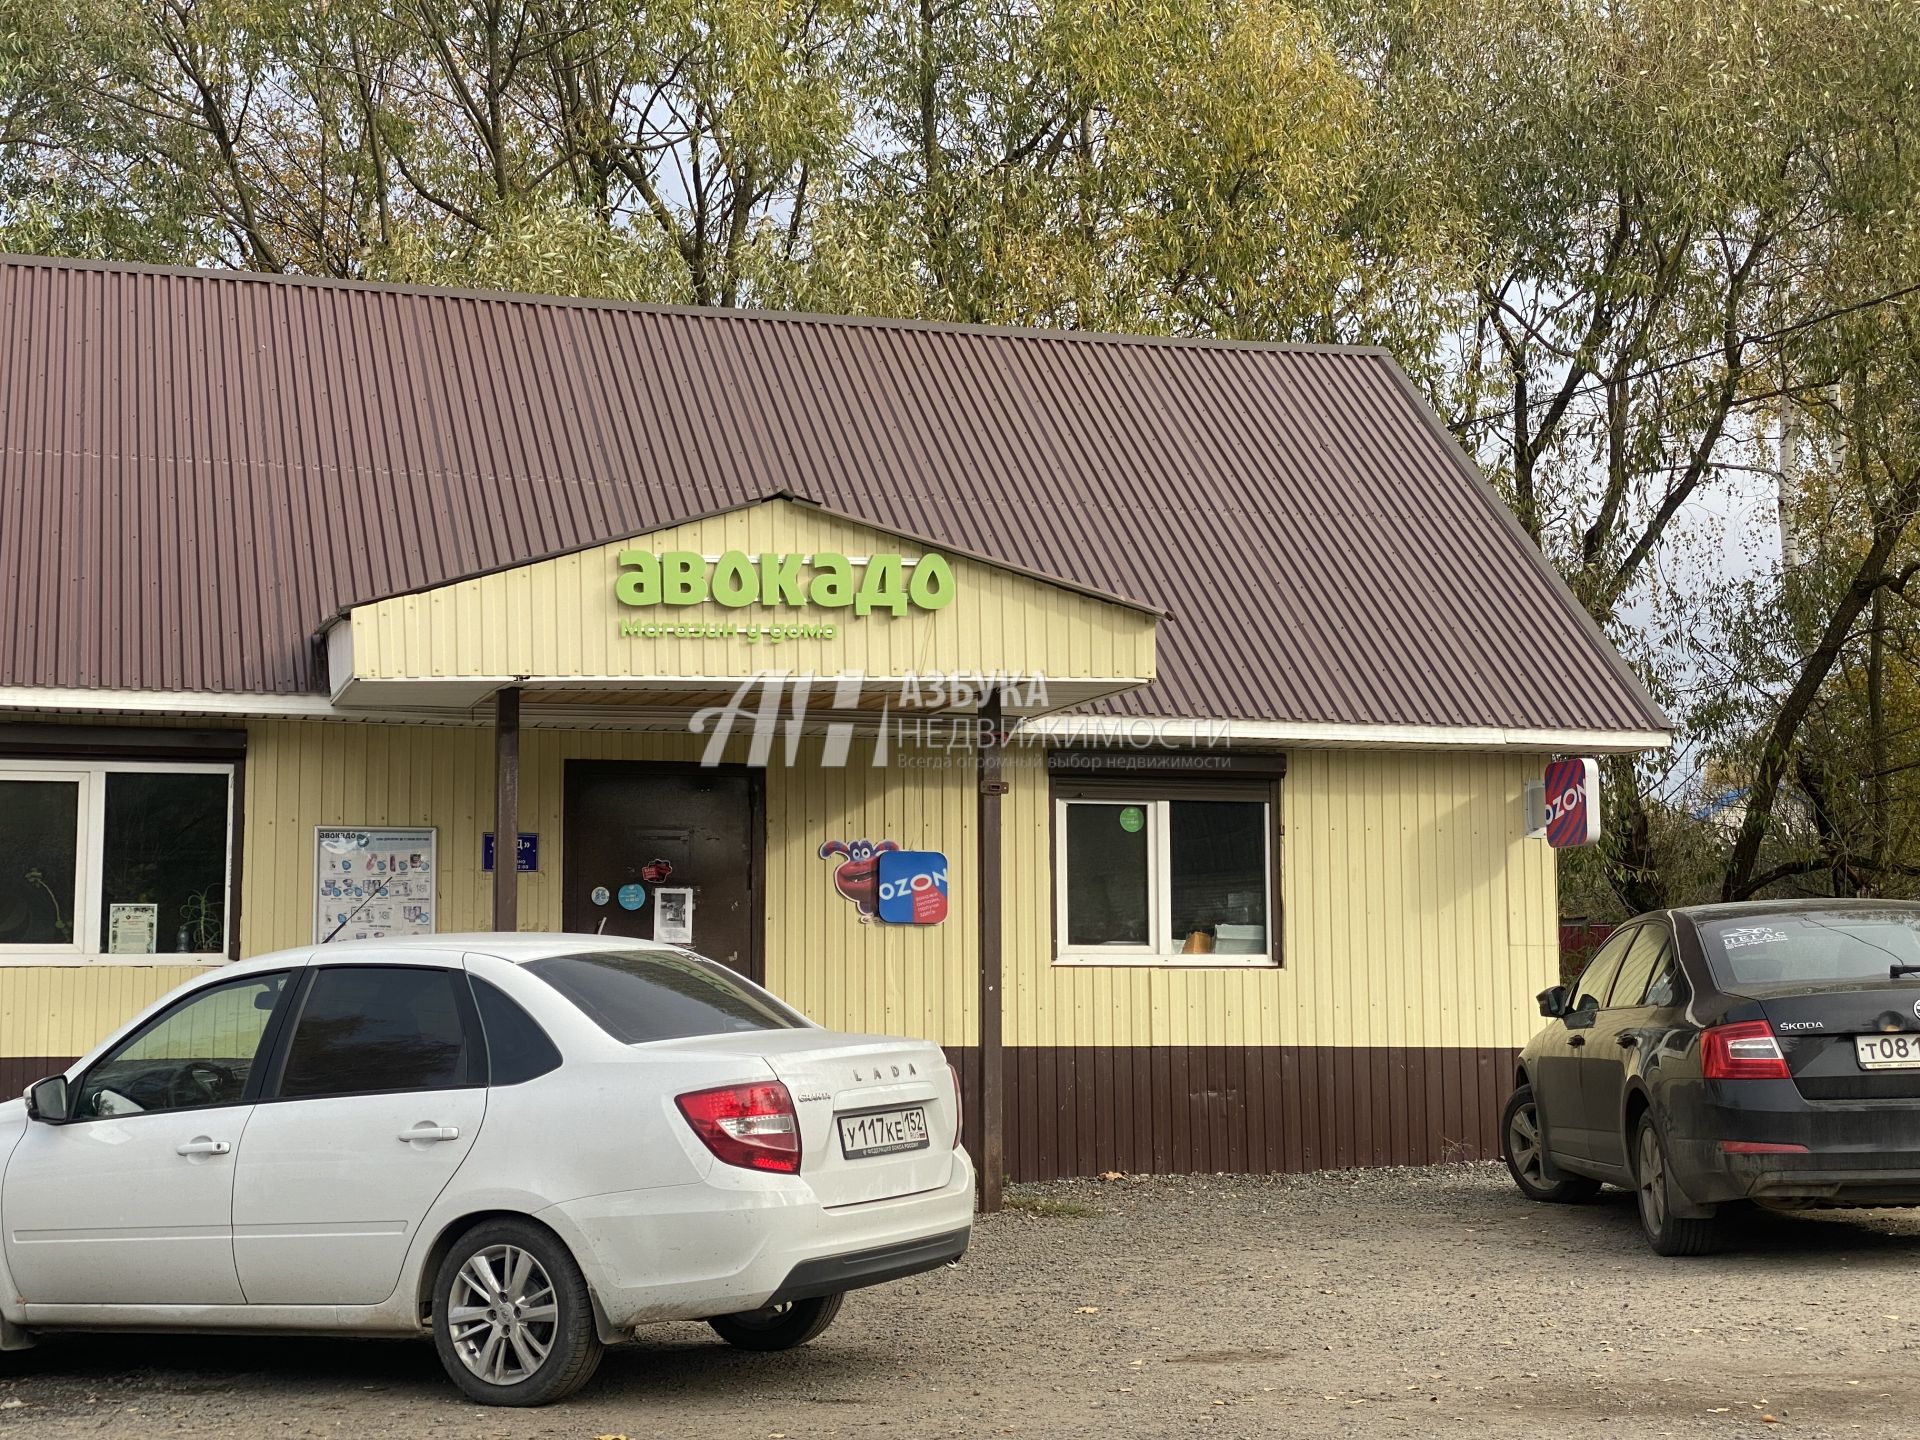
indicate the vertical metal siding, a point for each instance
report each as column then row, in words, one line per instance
column 1414, row 914
column 303, row 774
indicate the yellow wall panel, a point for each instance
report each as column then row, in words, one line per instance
column 1414, row 912
column 307, row 774
column 64, row 1010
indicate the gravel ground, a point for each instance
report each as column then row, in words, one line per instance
column 1375, row 1303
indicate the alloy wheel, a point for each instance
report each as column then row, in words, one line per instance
column 502, row 1314
column 1653, row 1181
column 1523, row 1146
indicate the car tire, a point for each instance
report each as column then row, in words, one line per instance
column 1666, row 1232
column 1526, row 1157
column 496, row 1280
column 778, row 1327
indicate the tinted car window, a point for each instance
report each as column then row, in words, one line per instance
column 1666, row 987
column 1636, row 971
column 1811, row 945
column 517, row 1048
column 1597, row 979
column 641, row 995
column 365, row 1028
column 198, row 1053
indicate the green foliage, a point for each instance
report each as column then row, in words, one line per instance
column 1635, row 250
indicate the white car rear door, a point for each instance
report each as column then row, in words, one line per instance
column 377, row 1094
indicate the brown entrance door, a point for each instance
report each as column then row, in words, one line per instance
column 677, row 827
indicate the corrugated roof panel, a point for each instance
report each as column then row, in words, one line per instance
column 201, row 467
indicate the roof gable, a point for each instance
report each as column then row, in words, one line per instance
column 560, row 627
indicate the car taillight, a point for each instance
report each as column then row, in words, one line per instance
column 1746, row 1051
column 753, row 1126
column 959, row 1108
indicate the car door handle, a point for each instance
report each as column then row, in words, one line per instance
column 430, row 1132
column 202, row 1146
column 1576, row 1041
column 1627, row 1039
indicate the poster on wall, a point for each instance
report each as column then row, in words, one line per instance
column 373, row 884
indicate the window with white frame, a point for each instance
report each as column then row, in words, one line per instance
column 1144, row 876
column 114, row 859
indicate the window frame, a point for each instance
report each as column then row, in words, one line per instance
column 1660, row 940
column 90, row 775
column 479, row 1062
column 1624, row 938
column 1154, row 796
column 263, row 1054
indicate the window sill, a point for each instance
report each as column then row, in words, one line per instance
column 1172, row 962
column 69, row 960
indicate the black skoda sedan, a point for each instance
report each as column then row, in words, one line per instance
column 1765, row 1052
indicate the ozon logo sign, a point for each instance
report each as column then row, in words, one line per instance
column 1573, row 803
column 912, row 887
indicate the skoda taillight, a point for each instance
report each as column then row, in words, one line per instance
column 1744, row 1051
column 753, row 1126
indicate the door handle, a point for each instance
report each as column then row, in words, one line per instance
column 202, row 1146
column 1576, row 1041
column 430, row 1132
column 1626, row 1039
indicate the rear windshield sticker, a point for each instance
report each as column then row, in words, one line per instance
column 1751, row 935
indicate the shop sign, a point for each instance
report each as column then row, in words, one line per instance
column 856, row 871
column 820, row 581
column 1572, row 803
column 526, row 853
column 912, row 887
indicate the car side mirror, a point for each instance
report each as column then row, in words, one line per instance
column 1553, row 1002
column 47, row 1100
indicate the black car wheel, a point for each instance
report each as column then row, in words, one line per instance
column 511, row 1316
column 1667, row 1233
column 777, row 1327
column 1526, row 1154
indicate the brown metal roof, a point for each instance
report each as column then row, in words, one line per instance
column 201, row 467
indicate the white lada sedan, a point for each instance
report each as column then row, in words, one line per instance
column 528, row 1145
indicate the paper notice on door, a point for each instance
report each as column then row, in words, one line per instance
column 673, row 917
column 133, row 929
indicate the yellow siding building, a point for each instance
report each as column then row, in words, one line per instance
column 1149, row 723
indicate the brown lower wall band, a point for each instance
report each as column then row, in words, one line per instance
column 1175, row 1110
column 19, row 1071
column 1243, row 1109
